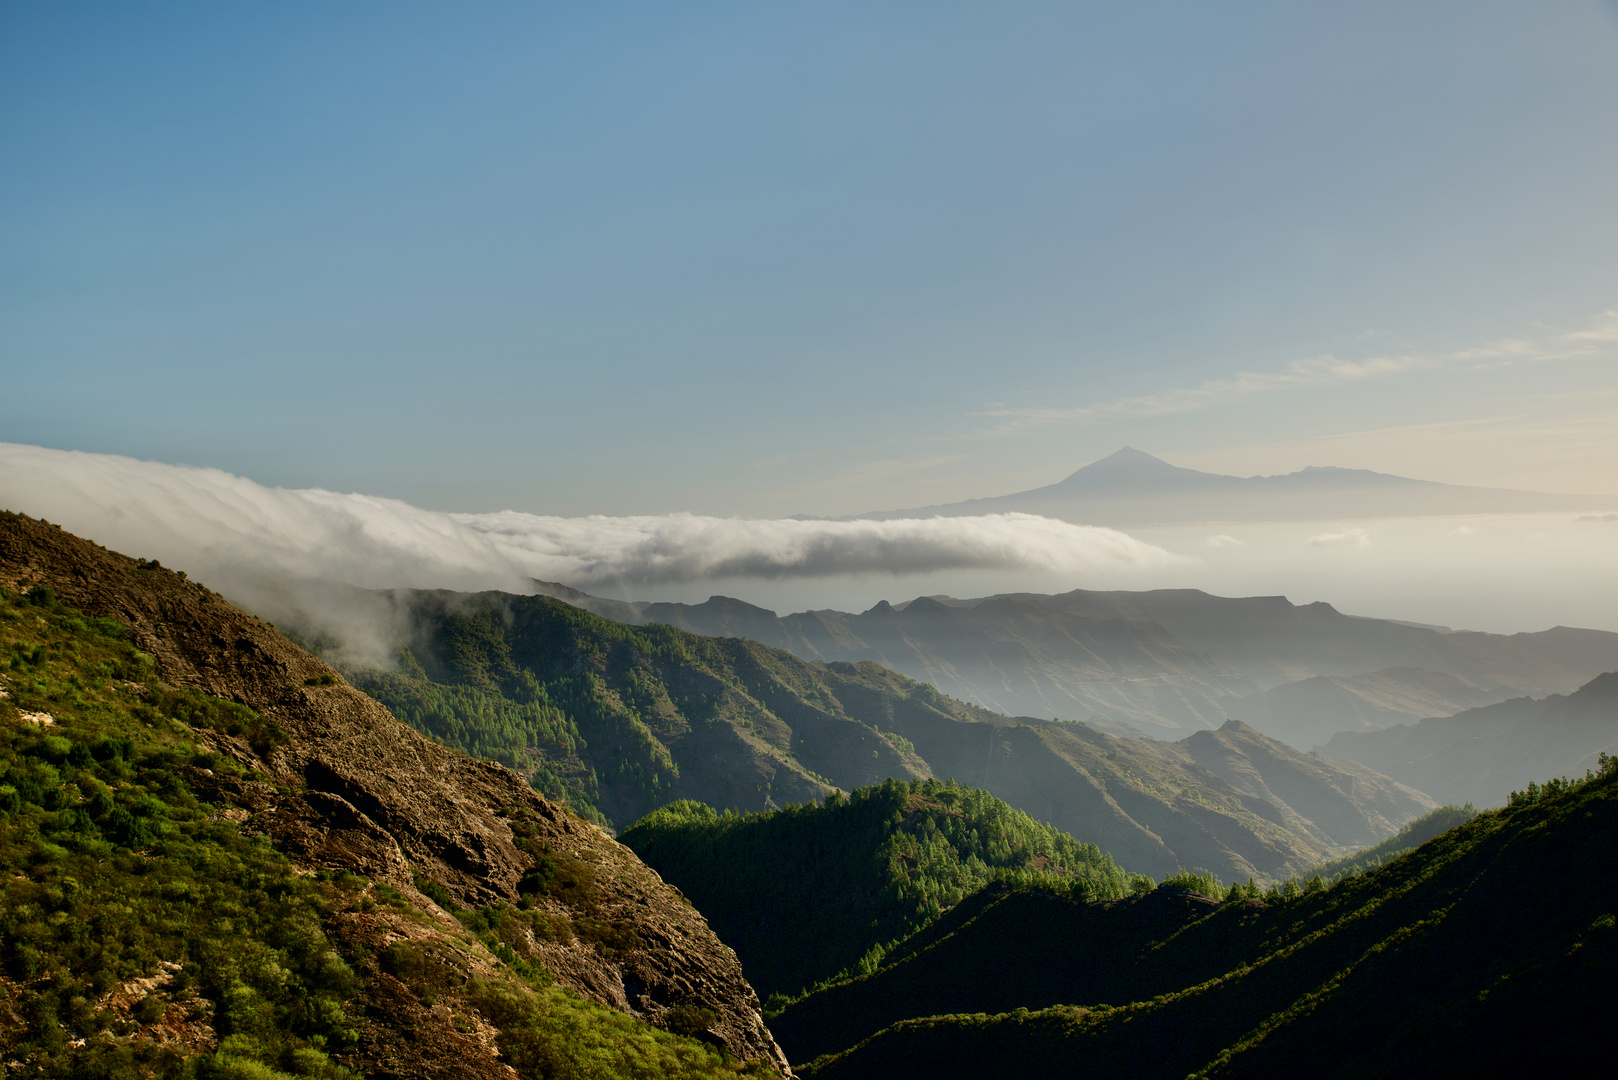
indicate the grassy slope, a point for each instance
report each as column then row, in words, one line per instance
column 141, row 925
column 1488, row 948
column 806, row 892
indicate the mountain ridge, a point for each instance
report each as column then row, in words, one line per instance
column 1131, row 487
column 622, row 719
column 1164, row 662
column 1478, row 754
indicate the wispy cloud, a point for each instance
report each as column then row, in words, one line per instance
column 1315, row 371
column 221, row 526
column 1223, row 540
column 1357, row 538
column 1605, row 330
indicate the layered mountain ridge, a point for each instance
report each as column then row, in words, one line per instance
column 619, row 720
column 1164, row 662
column 1480, row 755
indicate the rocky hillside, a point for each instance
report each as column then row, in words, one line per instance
column 502, row 899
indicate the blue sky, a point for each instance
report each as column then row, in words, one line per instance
column 821, row 258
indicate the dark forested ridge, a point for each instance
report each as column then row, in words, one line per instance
column 620, row 720
column 805, row 892
column 1486, row 951
column 217, row 860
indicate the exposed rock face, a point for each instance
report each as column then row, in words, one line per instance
column 373, row 796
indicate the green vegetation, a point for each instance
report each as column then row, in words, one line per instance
column 545, row 1030
column 1487, row 950
column 128, row 902
column 576, row 703
column 1412, row 836
column 1202, row 883
column 617, row 720
column 808, row 891
column 1561, row 785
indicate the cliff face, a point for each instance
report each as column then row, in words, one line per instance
column 354, row 789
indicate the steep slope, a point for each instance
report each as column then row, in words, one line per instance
column 1475, row 756
column 1412, row 836
column 624, row 719
column 1134, row 488
column 1341, row 803
column 1486, row 951
column 340, row 785
column 1153, row 805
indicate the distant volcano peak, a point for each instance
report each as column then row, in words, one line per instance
column 1128, row 456
column 1131, row 487
column 1128, row 466
column 1129, row 453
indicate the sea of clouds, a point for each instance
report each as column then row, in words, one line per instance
column 224, row 528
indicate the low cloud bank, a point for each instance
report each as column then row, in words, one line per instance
column 226, row 529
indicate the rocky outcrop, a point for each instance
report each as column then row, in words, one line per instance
column 358, row 790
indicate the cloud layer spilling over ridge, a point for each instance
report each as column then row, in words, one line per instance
column 224, row 527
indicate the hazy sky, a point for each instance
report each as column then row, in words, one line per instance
column 809, row 258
